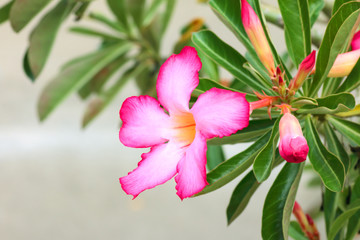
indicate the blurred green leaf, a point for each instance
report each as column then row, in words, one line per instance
column 342, row 219
column 22, row 12
column 336, row 34
column 5, row 11
column 75, row 76
column 215, row 156
column 230, row 169
column 352, row 81
column 353, row 225
column 119, row 9
column 165, row 19
column 326, row 164
column 98, row 104
column 347, row 128
column 336, row 147
column 136, row 10
column 256, row 129
column 335, row 103
column 94, row 33
column 226, row 56
column 264, row 160
column 279, row 202
column 330, row 202
column 43, row 36
column 296, row 19
column 151, row 11
column 296, row 232
column 106, row 21
column 26, row 67
column 209, row 67
column 315, row 7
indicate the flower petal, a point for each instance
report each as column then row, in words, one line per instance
column 144, row 122
column 191, row 177
column 178, row 77
column 155, row 168
column 220, row 112
column 355, row 43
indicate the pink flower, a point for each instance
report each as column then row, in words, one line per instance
column 178, row 139
column 257, row 36
column 305, row 68
column 345, row 62
column 293, row 146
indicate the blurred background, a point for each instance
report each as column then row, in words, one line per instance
column 58, row 181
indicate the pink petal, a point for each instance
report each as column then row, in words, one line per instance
column 178, row 77
column 191, row 177
column 355, row 43
column 220, row 113
column 293, row 148
column 144, row 122
column 155, row 168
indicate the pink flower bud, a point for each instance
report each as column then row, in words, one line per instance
column 344, row 63
column 293, row 146
column 305, row 68
column 355, row 43
column 257, row 36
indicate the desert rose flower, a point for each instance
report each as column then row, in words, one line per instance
column 304, row 70
column 178, row 138
column 293, row 146
column 257, row 36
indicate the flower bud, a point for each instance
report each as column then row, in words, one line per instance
column 257, row 36
column 305, row 68
column 344, row 63
column 293, row 146
column 355, row 43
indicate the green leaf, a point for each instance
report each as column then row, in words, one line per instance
column 136, row 10
column 93, row 33
column 98, row 81
column 347, row 128
column 26, row 67
column 226, row 56
column 338, row 4
column 209, row 67
column 326, row 164
column 336, row 34
column 150, row 13
column 330, row 202
column 241, row 196
column 264, row 160
column 352, row 81
column 335, row 103
column 315, row 7
column 43, row 35
column 296, row 232
column 279, row 202
column 230, row 169
column 22, row 12
column 167, row 15
column 342, row 219
column 5, row 11
column 296, row 19
column 300, row 101
column 74, row 77
column 119, row 9
column 256, row 129
column 336, row 147
column 106, row 21
column 215, row 156
column 229, row 13
column 243, row 192
column 354, row 222
column 98, row 104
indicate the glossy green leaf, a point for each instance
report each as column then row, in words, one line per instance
column 337, row 4
column 347, row 128
column 98, row 81
column 215, row 156
column 119, row 9
column 229, row 13
column 296, row 19
column 353, row 226
column 75, row 76
column 226, row 56
column 244, row 191
column 315, row 7
column 330, row 202
column 209, row 67
column 256, row 129
column 342, row 219
column 264, row 160
column 296, row 232
column 337, row 32
column 5, row 11
column 22, row 12
column 98, row 104
column 352, row 81
column 93, row 33
column 43, row 36
column 326, row 164
column 300, row 101
column 279, row 202
column 335, row 103
column 336, row 147
column 233, row 167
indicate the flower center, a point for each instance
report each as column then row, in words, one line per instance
column 184, row 128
